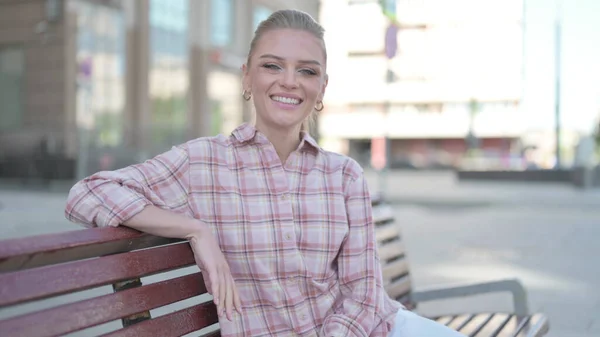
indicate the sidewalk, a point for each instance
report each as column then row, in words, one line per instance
column 442, row 189
column 25, row 213
column 35, row 209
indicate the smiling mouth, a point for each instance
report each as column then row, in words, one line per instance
column 286, row 100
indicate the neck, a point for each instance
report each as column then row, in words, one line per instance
column 285, row 141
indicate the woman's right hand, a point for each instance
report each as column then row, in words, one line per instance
column 215, row 271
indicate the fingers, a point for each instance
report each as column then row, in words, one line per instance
column 206, row 280
column 214, row 285
column 236, row 299
column 222, row 291
column 219, row 282
column 229, row 297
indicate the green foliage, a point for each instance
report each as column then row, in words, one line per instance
column 109, row 127
column 217, row 117
column 169, row 121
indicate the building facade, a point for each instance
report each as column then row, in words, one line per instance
column 443, row 83
column 98, row 84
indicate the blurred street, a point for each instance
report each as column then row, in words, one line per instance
column 543, row 234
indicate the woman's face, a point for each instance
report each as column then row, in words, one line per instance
column 286, row 76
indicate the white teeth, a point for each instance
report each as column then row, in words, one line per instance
column 286, row 100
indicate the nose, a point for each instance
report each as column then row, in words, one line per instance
column 288, row 79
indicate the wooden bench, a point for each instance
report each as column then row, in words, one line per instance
column 36, row 268
column 120, row 282
column 518, row 323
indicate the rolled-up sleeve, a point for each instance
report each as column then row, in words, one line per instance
column 359, row 271
column 109, row 198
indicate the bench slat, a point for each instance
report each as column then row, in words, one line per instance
column 537, row 326
column 444, row 320
column 399, row 288
column 459, row 321
column 475, row 324
column 497, row 325
column 91, row 312
column 494, row 325
column 394, row 269
column 387, row 232
column 513, row 325
column 43, row 282
column 382, row 214
column 175, row 324
column 24, row 253
column 391, row 250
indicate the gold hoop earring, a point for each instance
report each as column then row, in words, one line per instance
column 246, row 94
column 320, row 106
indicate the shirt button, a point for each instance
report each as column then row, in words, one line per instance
column 285, row 196
column 288, row 236
column 303, row 317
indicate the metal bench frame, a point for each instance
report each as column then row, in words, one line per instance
column 519, row 322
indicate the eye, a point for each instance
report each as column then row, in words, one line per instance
column 308, row 71
column 271, row 66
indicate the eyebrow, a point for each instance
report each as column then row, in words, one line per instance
column 264, row 56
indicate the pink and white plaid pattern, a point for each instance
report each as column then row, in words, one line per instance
column 299, row 237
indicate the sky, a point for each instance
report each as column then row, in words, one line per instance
column 580, row 63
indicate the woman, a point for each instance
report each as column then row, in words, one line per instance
column 280, row 228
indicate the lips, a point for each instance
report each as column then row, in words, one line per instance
column 286, row 100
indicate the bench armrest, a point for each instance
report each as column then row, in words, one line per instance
column 509, row 285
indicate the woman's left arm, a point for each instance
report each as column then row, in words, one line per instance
column 359, row 270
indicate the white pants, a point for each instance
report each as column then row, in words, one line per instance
column 409, row 324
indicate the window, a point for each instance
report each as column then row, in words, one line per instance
column 100, row 54
column 260, row 14
column 221, row 24
column 169, row 83
column 11, row 78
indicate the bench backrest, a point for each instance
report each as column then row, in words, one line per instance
column 392, row 253
column 38, row 271
column 36, row 268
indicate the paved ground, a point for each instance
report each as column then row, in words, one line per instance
column 546, row 235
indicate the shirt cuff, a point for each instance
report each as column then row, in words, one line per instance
column 121, row 212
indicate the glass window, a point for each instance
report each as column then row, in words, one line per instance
column 100, row 71
column 169, row 67
column 221, row 24
column 260, row 14
column 11, row 78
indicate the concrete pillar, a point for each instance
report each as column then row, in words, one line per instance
column 199, row 108
column 137, row 114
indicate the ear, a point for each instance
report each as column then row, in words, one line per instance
column 324, row 86
column 245, row 77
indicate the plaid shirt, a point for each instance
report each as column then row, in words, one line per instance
column 299, row 237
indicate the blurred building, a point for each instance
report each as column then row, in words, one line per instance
column 453, row 86
column 98, row 84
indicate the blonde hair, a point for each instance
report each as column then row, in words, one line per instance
column 290, row 19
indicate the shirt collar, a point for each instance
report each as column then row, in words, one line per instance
column 247, row 132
